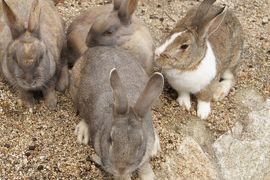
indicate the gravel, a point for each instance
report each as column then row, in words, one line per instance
column 42, row 144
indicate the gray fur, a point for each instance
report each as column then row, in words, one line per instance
column 112, row 26
column 97, row 95
column 32, row 41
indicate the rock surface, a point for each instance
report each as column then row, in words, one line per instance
column 244, row 153
column 189, row 161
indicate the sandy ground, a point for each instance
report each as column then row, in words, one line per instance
column 42, row 144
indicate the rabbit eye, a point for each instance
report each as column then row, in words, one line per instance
column 184, row 46
column 110, row 140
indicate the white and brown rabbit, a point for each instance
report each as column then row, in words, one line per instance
column 201, row 54
column 32, row 38
column 114, row 97
column 111, row 25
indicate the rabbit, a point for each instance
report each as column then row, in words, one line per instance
column 32, row 41
column 113, row 95
column 201, row 54
column 112, row 25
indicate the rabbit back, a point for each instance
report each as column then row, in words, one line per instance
column 98, row 62
column 78, row 30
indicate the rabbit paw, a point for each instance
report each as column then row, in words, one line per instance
column 30, row 102
column 96, row 159
column 146, row 172
column 156, row 147
column 63, row 81
column 222, row 90
column 82, row 132
column 27, row 98
column 51, row 100
column 184, row 100
column 203, row 109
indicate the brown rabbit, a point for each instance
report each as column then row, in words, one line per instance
column 201, row 54
column 111, row 26
column 32, row 40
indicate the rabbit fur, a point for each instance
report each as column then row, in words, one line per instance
column 32, row 40
column 201, row 54
column 111, row 25
column 106, row 88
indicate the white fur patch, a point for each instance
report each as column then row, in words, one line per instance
column 147, row 176
column 168, row 42
column 203, row 109
column 227, row 75
column 184, row 100
column 82, row 132
column 146, row 172
column 194, row 81
column 156, row 147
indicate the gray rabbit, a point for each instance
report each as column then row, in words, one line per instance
column 32, row 38
column 113, row 95
column 112, row 25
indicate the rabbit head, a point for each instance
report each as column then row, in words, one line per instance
column 126, row 147
column 115, row 27
column 186, row 45
column 27, row 61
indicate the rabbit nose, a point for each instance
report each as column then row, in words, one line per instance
column 28, row 78
column 121, row 170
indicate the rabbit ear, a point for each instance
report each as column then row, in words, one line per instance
column 33, row 24
column 212, row 23
column 202, row 11
column 16, row 26
column 126, row 10
column 119, row 93
column 117, row 4
column 152, row 90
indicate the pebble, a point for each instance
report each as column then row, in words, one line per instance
column 27, row 154
column 7, row 145
column 40, row 167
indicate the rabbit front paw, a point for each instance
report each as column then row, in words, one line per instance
column 146, row 172
column 50, row 97
column 156, row 147
column 203, row 109
column 82, row 132
column 184, row 100
column 63, row 81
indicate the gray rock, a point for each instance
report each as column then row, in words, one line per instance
column 249, row 98
column 188, row 162
column 244, row 152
